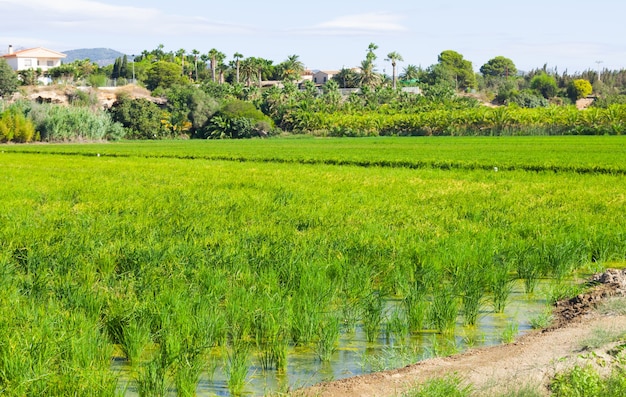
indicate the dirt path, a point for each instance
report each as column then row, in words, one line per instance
column 531, row 361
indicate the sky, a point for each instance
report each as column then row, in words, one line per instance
column 571, row 35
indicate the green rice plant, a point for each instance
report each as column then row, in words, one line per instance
column 415, row 298
column 390, row 357
column 500, row 282
column 271, row 334
column 187, row 369
column 470, row 281
column 238, row 356
column 510, row 332
column 444, row 309
column 397, row 326
column 529, row 267
column 373, row 306
column 558, row 290
column 150, row 378
column 328, row 335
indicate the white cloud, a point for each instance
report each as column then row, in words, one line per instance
column 367, row 23
column 95, row 16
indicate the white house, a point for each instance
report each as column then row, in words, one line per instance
column 321, row 77
column 33, row 58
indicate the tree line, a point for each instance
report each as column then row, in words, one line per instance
column 205, row 97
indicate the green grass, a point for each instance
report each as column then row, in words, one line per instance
column 582, row 154
column 159, row 247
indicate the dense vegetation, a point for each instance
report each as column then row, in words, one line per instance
column 203, row 97
column 180, row 263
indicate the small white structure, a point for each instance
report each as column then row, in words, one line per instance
column 33, row 58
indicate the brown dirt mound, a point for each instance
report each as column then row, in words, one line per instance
column 530, row 361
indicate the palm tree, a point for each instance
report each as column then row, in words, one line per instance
column 181, row 54
column 237, row 56
column 371, row 56
column 394, row 57
column 215, row 56
column 368, row 77
column 291, row 69
column 195, row 61
column 248, row 70
column 410, row 72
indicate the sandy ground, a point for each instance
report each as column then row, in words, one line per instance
column 530, row 362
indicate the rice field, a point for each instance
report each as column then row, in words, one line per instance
column 189, row 267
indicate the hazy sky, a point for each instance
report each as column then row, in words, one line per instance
column 325, row 34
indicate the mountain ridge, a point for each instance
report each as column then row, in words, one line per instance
column 100, row 56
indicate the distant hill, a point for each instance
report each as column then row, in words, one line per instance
column 101, row 56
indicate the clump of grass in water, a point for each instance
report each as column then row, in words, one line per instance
column 510, row 332
column 529, row 268
column 328, row 335
column 470, row 282
column 150, row 378
column 500, row 282
column 397, row 326
column 372, row 315
column 237, row 366
column 444, row 309
column 415, row 303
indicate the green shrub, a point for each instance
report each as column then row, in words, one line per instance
column 544, row 84
column 15, row 127
column 579, row 88
column 140, row 117
column 59, row 123
column 238, row 119
column 527, row 99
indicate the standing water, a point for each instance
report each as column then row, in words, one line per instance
column 356, row 356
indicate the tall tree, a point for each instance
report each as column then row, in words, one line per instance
column 499, row 67
column 458, row 67
column 8, row 79
column 291, row 69
column 368, row 76
column 195, row 54
column 215, row 56
column 410, row 72
column 371, row 55
column 346, row 78
column 394, row 57
column 237, row 57
column 248, row 70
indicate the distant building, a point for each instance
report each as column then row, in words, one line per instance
column 33, row 58
column 321, row 77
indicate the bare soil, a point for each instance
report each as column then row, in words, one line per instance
column 106, row 96
column 529, row 362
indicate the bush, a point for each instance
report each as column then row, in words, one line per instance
column 59, row 123
column 15, row 127
column 527, row 99
column 238, row 119
column 8, row 79
column 544, row 84
column 579, row 88
column 140, row 117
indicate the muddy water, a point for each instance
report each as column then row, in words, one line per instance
column 355, row 356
